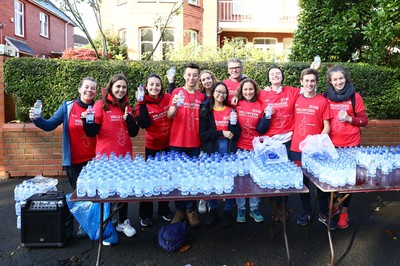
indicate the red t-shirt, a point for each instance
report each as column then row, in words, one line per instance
column 232, row 87
column 185, row 125
column 344, row 134
column 221, row 117
column 159, row 131
column 249, row 114
column 283, row 105
column 113, row 134
column 83, row 148
column 309, row 116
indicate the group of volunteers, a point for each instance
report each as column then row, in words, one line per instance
column 196, row 117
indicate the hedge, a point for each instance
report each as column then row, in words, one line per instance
column 28, row 79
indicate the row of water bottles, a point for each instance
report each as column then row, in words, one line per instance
column 30, row 187
column 381, row 158
column 123, row 176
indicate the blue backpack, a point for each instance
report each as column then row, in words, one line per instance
column 173, row 236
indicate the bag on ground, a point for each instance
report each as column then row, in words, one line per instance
column 173, row 236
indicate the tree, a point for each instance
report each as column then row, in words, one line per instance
column 345, row 31
column 161, row 23
column 117, row 50
column 73, row 8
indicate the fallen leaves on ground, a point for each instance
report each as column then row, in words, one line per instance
column 185, row 248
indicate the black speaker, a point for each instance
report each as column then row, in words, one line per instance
column 46, row 220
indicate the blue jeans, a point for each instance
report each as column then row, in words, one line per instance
column 228, row 206
column 253, row 202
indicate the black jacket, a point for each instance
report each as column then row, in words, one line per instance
column 208, row 131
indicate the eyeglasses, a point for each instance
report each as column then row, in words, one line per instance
column 221, row 92
column 236, row 67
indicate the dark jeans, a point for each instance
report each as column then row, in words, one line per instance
column 146, row 208
column 73, row 172
column 323, row 197
column 186, row 205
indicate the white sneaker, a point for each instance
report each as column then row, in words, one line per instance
column 126, row 228
column 202, row 206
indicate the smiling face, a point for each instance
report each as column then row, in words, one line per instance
column 87, row 91
column 119, row 89
column 248, row 91
column 309, row 83
column 235, row 70
column 206, row 80
column 337, row 80
column 154, row 87
column 275, row 77
column 191, row 77
column 220, row 93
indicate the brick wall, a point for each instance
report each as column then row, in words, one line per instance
column 193, row 20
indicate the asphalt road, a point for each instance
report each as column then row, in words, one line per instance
column 371, row 239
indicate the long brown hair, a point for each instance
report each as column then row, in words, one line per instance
column 108, row 91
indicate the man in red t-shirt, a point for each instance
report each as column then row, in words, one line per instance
column 184, row 111
column 235, row 69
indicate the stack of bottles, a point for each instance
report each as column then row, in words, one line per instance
column 126, row 176
column 27, row 188
column 342, row 171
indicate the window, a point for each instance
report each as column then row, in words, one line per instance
column 168, row 41
column 44, row 25
column 193, row 2
column 146, row 41
column 19, row 18
column 193, row 36
column 264, row 43
column 122, row 36
column 240, row 39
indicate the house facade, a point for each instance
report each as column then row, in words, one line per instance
column 35, row 28
column 265, row 24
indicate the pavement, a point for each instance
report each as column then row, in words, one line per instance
column 373, row 238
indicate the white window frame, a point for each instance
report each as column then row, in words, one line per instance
column 243, row 39
column 193, row 36
column 122, row 36
column 145, row 42
column 193, row 2
column 19, row 18
column 44, row 24
column 159, row 53
column 265, row 46
column 163, row 42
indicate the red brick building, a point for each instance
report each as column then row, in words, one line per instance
column 35, row 28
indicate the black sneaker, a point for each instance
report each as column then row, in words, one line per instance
column 146, row 222
column 227, row 221
column 211, row 218
column 167, row 217
column 324, row 219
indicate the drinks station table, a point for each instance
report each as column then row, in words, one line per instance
column 364, row 184
column 244, row 187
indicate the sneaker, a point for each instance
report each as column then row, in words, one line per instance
column 81, row 233
column 303, row 219
column 145, row 222
column 202, row 206
column 211, row 218
column 323, row 219
column 335, row 210
column 192, row 218
column 179, row 217
column 343, row 221
column 126, row 228
column 241, row 216
column 167, row 217
column 227, row 220
column 256, row 215
column 105, row 243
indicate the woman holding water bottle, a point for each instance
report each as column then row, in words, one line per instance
column 349, row 114
column 151, row 114
column 113, row 126
column 254, row 119
column 77, row 148
column 219, row 133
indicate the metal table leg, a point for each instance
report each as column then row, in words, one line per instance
column 283, row 219
column 101, row 234
column 329, row 228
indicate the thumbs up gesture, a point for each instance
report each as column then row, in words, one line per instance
column 126, row 113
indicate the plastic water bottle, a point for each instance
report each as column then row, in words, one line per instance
column 233, row 117
column 317, row 61
column 37, row 108
column 140, row 93
column 80, row 187
column 171, row 72
column 372, row 168
column 268, row 111
column 89, row 115
column 181, row 99
column 341, row 110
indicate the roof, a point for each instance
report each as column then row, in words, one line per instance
column 49, row 6
column 20, row 46
column 78, row 39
